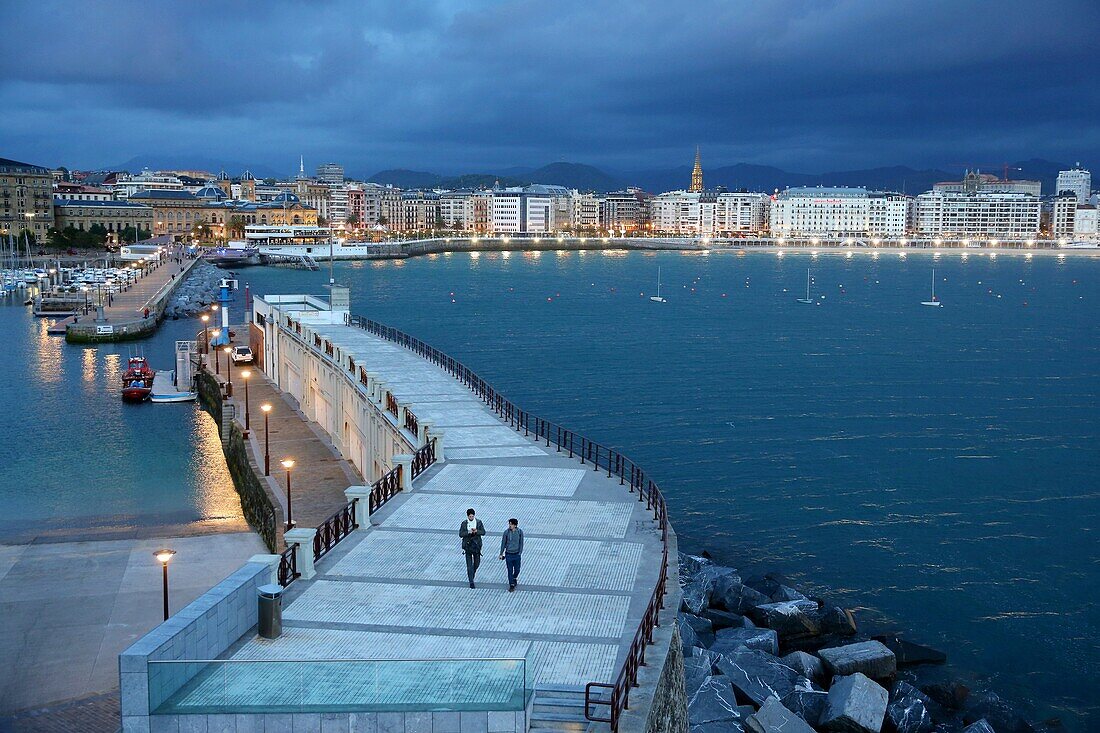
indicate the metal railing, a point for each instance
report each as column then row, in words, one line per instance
column 334, row 529
column 391, row 404
column 384, row 489
column 411, row 423
column 601, row 458
column 423, row 458
column 288, row 566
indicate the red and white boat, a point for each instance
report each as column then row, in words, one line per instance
column 137, row 380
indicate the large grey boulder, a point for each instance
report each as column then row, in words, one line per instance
column 979, row 726
column 788, row 618
column 733, row 595
column 908, row 710
column 688, row 637
column 690, row 565
column 807, row 665
column 757, row 675
column 834, row 620
column 715, row 701
column 696, row 596
column 720, row 619
column 730, row 640
column 909, row 654
column 772, row 717
column 856, row 704
column 806, row 704
column 702, row 627
column 696, row 672
column 787, row 593
column 871, row 658
column 989, row 706
column 718, row 726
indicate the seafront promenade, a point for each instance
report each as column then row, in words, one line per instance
column 393, row 588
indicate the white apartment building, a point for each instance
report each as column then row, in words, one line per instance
column 1078, row 181
column 741, row 213
column 126, row 186
column 586, row 211
column 338, row 203
column 626, row 211
column 535, row 209
column 839, row 212
column 331, row 173
column 1063, row 214
column 976, row 182
column 1086, row 223
column 682, row 212
column 961, row 215
column 453, row 207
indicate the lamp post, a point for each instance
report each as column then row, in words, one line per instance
column 163, row 556
column 288, row 464
column 228, row 371
column 217, row 360
column 205, row 333
column 266, row 407
column 245, row 374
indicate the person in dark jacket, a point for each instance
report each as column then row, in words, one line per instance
column 511, row 547
column 471, row 531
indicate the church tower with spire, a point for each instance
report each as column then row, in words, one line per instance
column 697, row 173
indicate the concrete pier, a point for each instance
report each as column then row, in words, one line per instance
column 396, row 589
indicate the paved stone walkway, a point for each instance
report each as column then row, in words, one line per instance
column 398, row 589
column 67, row 609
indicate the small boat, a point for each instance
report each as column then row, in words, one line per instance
column 657, row 298
column 137, row 380
column 933, row 302
column 234, row 256
column 807, row 300
column 136, row 390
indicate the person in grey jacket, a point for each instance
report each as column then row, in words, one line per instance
column 511, row 547
column 471, row 531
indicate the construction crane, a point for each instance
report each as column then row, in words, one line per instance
column 978, row 166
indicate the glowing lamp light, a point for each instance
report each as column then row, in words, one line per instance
column 287, row 463
column 163, row 556
column 266, row 407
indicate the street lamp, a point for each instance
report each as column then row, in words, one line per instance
column 163, row 556
column 228, row 371
column 205, row 333
column 288, row 464
column 266, row 407
column 245, row 374
column 217, row 360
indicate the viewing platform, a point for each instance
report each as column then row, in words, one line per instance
column 379, row 626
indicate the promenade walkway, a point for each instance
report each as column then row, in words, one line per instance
column 398, row 589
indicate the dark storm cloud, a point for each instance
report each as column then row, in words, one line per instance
column 462, row 86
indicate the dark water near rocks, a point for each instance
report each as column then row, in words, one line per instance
column 936, row 469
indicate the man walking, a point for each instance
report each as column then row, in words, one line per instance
column 511, row 547
column 471, row 531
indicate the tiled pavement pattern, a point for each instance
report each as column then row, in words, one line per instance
column 397, row 589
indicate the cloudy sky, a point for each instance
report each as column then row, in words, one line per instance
column 808, row 85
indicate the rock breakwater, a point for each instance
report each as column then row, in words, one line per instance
column 761, row 657
column 197, row 292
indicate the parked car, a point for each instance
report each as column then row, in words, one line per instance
column 242, row 355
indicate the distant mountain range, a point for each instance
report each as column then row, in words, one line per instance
column 656, row 180
column 733, row 177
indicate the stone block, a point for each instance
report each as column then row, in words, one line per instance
column 220, row 723
column 688, row 638
column 702, row 627
column 307, row 722
column 721, row 726
column 732, row 595
column 856, row 704
column 787, row 593
column 806, row 665
column 690, row 565
column 714, row 701
column 909, row 654
column 720, row 619
column 500, row 722
column 757, row 675
column 391, row 723
column 445, row 723
column 696, row 671
column 772, row 717
column 278, row 723
column 135, row 724
column 788, row 618
column 730, row 640
column 696, row 596
column 340, row 723
column 248, row 723
column 164, row 724
column 870, row 658
column 368, row 722
column 835, row 620
column 193, row 724
column 418, row 722
column 979, row 726
column 908, row 709
column 134, row 693
column 806, row 704
column 475, row 722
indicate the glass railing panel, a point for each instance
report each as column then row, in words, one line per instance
column 351, row 685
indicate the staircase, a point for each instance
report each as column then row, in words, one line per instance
column 559, row 709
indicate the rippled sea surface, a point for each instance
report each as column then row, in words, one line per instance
column 934, row 468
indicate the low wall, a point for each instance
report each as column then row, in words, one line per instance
column 202, row 630
column 256, row 503
column 545, row 244
column 659, row 703
column 471, row 722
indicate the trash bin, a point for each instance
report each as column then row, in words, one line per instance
column 271, row 611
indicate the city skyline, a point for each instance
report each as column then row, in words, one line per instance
column 442, row 88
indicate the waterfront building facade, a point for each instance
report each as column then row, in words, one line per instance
column 26, row 198
column 975, row 182
column 127, row 185
column 331, row 173
column 839, row 212
column 534, row 209
column 585, row 212
column 80, row 192
column 1077, row 181
column 174, row 211
column 284, row 211
column 625, row 211
column 316, row 196
column 998, row 215
column 1063, row 212
column 741, row 214
column 114, row 216
column 1086, row 226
